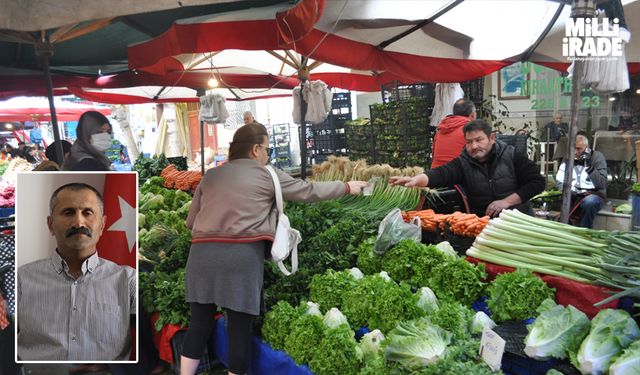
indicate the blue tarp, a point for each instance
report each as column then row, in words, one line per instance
column 264, row 360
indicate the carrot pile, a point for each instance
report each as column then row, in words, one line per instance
column 183, row 180
column 461, row 224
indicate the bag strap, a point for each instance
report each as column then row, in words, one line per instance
column 276, row 185
column 294, row 251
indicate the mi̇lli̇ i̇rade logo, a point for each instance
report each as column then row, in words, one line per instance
column 592, row 39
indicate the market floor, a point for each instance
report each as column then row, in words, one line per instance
column 60, row 369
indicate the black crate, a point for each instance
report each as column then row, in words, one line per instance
column 397, row 91
column 341, row 100
column 208, row 361
column 516, row 361
column 519, row 142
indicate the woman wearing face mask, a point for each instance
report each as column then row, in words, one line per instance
column 94, row 138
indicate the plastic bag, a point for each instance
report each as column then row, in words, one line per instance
column 393, row 229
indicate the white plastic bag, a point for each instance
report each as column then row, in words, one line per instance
column 393, row 229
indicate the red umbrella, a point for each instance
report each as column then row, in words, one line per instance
column 37, row 109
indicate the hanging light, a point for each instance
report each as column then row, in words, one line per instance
column 612, row 99
column 213, row 82
column 8, row 126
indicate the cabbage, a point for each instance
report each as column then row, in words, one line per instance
column 611, row 331
column 427, row 301
column 445, row 248
column 556, row 332
column 416, row 343
column 356, row 273
column 384, row 275
column 628, row 363
column 480, row 321
column 313, row 309
column 370, row 345
column 334, row 318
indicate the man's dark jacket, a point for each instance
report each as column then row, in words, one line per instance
column 504, row 173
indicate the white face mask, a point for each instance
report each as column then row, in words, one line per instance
column 101, row 141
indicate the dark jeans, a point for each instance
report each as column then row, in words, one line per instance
column 201, row 326
column 588, row 209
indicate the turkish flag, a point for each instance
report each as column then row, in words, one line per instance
column 118, row 241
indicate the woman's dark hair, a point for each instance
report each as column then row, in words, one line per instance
column 478, row 124
column 52, row 149
column 244, row 138
column 89, row 124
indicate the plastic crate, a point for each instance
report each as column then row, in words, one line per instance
column 459, row 243
column 341, row 100
column 519, row 142
column 207, row 362
column 516, row 361
column 397, row 91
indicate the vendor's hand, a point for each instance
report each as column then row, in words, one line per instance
column 355, row 187
column 496, row 207
column 420, row 180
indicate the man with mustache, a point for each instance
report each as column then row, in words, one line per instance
column 75, row 306
column 493, row 175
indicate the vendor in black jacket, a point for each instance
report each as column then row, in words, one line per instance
column 493, row 175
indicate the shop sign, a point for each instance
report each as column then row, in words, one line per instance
column 592, row 39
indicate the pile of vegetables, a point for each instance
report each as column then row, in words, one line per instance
column 557, row 332
column 461, row 224
column 178, row 179
column 517, row 295
column 15, row 165
column 164, row 245
column 3, row 166
column 150, row 167
column 7, row 194
column 611, row 332
column 605, row 258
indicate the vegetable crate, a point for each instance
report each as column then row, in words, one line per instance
column 207, row 362
column 397, row 91
column 515, row 361
column 328, row 138
column 400, row 132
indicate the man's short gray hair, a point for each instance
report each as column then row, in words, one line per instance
column 582, row 139
column 74, row 186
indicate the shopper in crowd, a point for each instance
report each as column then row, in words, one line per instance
column 449, row 140
column 555, row 129
column 588, row 181
column 493, row 175
column 20, row 151
column 248, row 118
column 233, row 221
column 94, row 138
column 75, row 306
column 52, row 151
column 10, row 152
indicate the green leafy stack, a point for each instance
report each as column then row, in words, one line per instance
column 379, row 304
column 458, row 280
column 150, row 167
column 337, row 353
column 277, row 323
column 327, row 289
column 517, row 295
column 306, row 333
column 411, row 262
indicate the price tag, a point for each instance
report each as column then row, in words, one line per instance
column 492, row 349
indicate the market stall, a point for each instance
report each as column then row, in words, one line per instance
column 389, row 299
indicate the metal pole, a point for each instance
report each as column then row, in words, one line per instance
column 45, row 50
column 200, row 93
column 303, row 133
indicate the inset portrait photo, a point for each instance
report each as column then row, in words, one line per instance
column 76, row 259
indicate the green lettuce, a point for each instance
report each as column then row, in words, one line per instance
column 417, row 343
column 337, row 353
column 557, row 331
column 327, row 289
column 368, row 261
column 480, row 321
column 370, row 345
column 458, row 280
column 628, row 363
column 455, row 318
column 517, row 295
column 277, row 323
column 379, row 304
column 611, row 332
column 306, row 333
column 411, row 262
